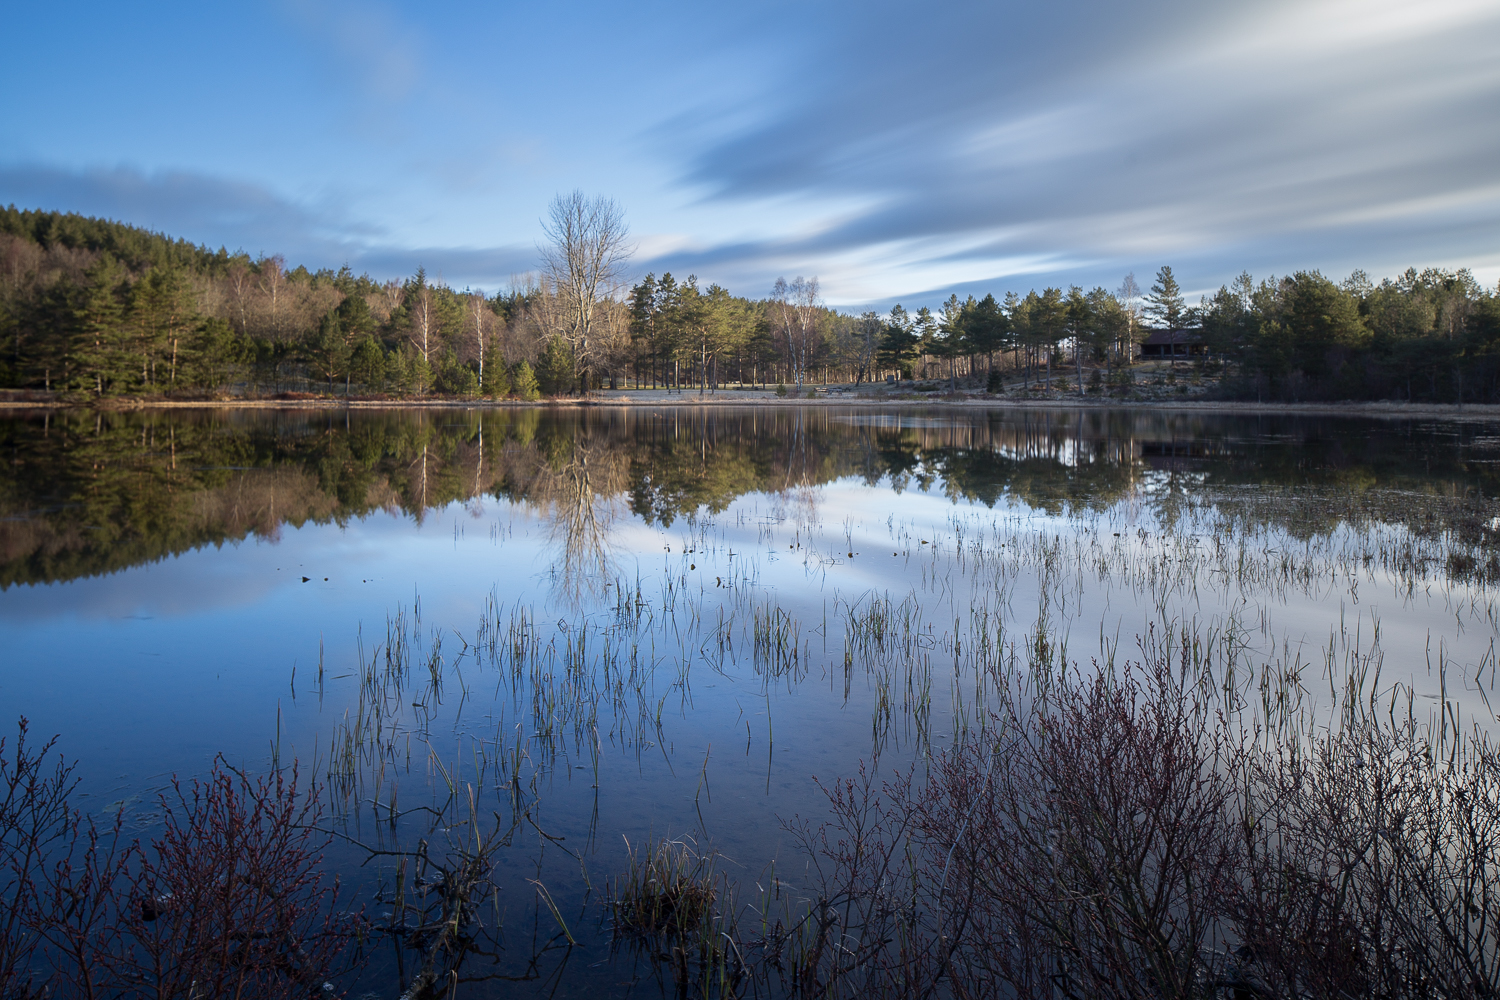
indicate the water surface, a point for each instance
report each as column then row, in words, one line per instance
column 639, row 623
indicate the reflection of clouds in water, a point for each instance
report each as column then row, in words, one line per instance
column 120, row 598
column 178, row 587
column 801, row 504
column 204, row 580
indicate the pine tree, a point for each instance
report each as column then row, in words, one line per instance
column 212, row 351
column 330, row 352
column 898, row 347
column 420, row 371
column 354, row 316
column 367, row 366
column 98, row 322
column 987, row 329
column 162, row 314
column 1165, row 303
column 398, row 372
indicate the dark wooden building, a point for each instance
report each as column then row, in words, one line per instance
column 1173, row 344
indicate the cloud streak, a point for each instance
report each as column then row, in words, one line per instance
column 1280, row 127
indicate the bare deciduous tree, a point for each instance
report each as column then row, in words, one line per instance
column 1129, row 296
column 584, row 252
column 395, row 296
column 272, row 282
column 614, row 333
column 795, row 307
column 239, row 286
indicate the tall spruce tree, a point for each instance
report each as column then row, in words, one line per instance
column 367, row 365
column 524, row 382
column 554, row 370
column 329, row 353
column 494, row 380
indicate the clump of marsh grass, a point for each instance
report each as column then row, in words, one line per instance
column 674, row 906
column 668, row 889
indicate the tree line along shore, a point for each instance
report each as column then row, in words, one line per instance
column 95, row 310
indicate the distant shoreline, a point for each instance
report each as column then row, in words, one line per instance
column 632, row 399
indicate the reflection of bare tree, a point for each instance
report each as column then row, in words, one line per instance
column 581, row 519
column 419, row 468
column 800, row 491
column 475, row 502
column 577, row 480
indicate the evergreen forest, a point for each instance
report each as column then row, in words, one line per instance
column 95, row 309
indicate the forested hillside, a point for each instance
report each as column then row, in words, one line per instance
column 94, row 309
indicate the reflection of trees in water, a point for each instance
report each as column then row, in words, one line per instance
column 582, row 533
column 90, row 493
column 576, row 479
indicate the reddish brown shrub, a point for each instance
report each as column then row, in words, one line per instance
column 34, row 819
column 227, row 901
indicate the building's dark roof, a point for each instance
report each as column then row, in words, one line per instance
column 1162, row 338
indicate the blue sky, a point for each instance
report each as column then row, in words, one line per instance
column 897, row 151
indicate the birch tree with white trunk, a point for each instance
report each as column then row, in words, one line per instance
column 795, row 308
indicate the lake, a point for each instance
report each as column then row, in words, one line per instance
column 607, row 626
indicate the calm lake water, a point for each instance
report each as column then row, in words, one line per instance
column 615, row 625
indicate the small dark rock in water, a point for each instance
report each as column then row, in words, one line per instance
column 155, row 907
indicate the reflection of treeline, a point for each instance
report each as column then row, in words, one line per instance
column 97, row 493
column 91, row 493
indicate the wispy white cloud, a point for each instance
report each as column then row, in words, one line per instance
column 1191, row 135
